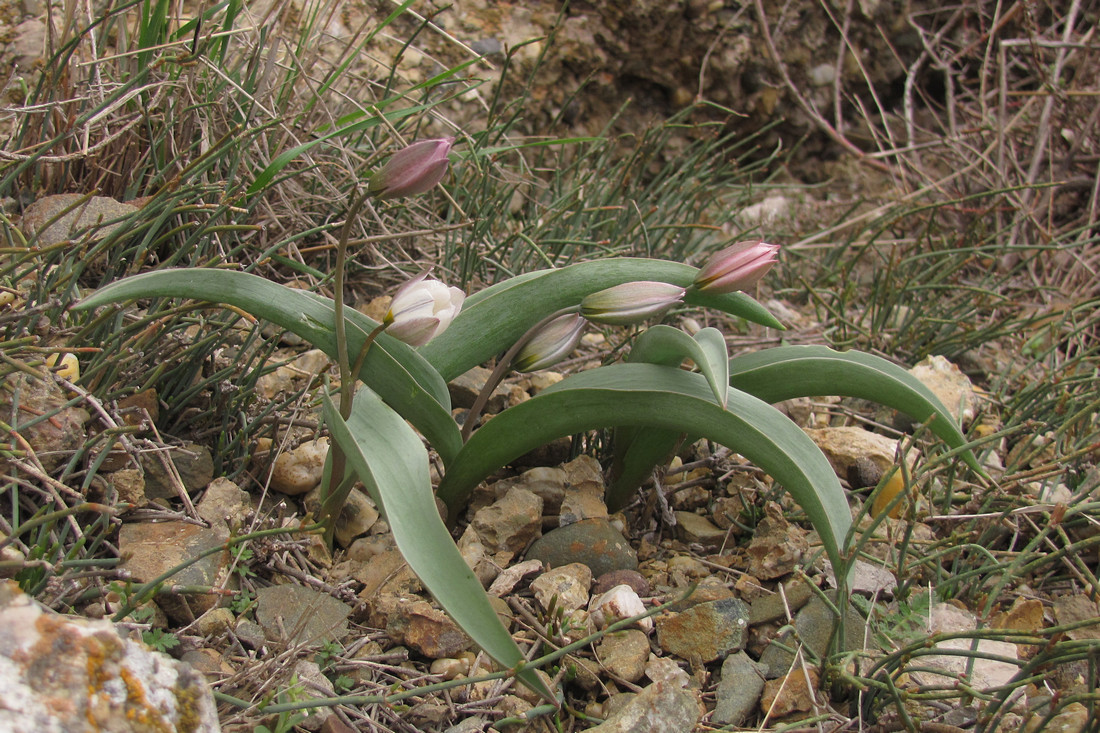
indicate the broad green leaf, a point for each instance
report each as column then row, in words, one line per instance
column 669, row 399
column 392, row 463
column 669, row 346
column 393, row 369
column 636, row 451
column 498, row 316
column 785, row 372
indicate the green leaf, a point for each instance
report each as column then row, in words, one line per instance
column 669, row 346
column 636, row 451
column 495, row 318
column 668, row 399
column 392, row 463
column 786, row 372
column 393, row 369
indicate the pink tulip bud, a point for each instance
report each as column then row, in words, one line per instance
column 551, row 344
column 422, row 309
column 629, row 303
column 737, row 267
column 412, row 170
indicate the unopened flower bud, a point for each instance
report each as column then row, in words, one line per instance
column 413, row 170
column 550, row 345
column 422, row 309
column 737, row 267
column 629, row 303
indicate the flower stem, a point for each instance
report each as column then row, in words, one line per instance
column 331, row 498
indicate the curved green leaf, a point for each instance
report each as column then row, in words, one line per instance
column 786, row 372
column 636, row 451
column 498, row 316
column 392, row 463
column 669, row 346
column 668, row 399
column 393, row 369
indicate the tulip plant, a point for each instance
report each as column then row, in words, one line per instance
column 432, row 334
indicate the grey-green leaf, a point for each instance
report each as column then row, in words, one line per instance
column 785, row 372
column 392, row 463
column 397, row 372
column 668, row 399
column 670, row 346
column 636, row 451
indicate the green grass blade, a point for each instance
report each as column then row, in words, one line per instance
column 393, row 369
column 668, row 399
column 392, row 463
column 515, row 305
column 786, row 372
column 283, row 159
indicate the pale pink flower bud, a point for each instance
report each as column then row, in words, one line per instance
column 413, row 170
column 629, row 303
column 737, row 267
column 551, row 344
column 422, row 309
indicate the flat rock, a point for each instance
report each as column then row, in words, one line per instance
column 845, row 446
column 53, row 440
column 706, row 590
column 78, row 219
column 694, row 529
column 953, row 388
column 738, row 689
column 224, row 503
column 312, row 683
column 510, row 577
column 582, row 502
column 662, row 706
column 633, row 578
column 72, row 674
column 149, row 550
column 356, row 516
column 546, row 482
column 425, row 629
column 593, row 542
column 623, row 654
column 794, row 693
column 297, row 615
column 707, row 631
column 867, row 579
column 193, row 464
column 510, row 523
column 984, row 673
column 770, row 607
column 777, row 546
column 465, row 388
column 814, row 625
column 565, row 587
column 29, row 44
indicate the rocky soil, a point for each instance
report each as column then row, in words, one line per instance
column 733, row 575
